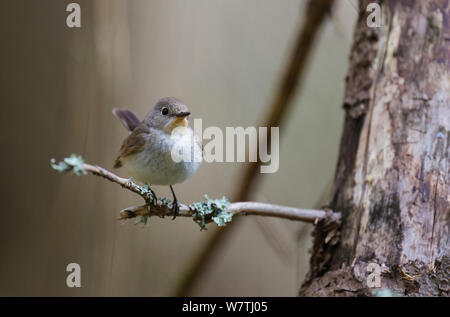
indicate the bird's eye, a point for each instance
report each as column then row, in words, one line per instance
column 165, row 111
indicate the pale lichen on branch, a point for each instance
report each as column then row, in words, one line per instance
column 219, row 211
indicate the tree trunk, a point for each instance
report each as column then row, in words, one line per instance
column 392, row 176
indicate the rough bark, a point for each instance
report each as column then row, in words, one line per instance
column 392, row 177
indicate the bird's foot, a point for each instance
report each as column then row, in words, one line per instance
column 175, row 209
column 175, row 206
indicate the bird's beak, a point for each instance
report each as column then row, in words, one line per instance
column 182, row 114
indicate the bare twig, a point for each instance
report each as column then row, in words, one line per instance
column 124, row 182
column 240, row 208
column 161, row 208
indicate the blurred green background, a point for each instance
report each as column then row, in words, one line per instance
column 224, row 59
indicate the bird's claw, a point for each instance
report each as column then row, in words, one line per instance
column 152, row 197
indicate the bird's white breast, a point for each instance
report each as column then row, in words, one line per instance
column 155, row 165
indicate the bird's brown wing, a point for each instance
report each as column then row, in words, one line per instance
column 133, row 143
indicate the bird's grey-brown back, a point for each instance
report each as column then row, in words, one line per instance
column 134, row 143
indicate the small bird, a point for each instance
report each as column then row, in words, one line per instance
column 147, row 151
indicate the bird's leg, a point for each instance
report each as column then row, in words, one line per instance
column 153, row 194
column 175, row 206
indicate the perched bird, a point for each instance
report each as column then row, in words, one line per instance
column 147, row 152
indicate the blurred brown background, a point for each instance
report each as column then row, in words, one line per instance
column 223, row 58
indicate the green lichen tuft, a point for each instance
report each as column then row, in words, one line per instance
column 145, row 190
column 222, row 218
column 166, row 202
column 73, row 163
column 216, row 208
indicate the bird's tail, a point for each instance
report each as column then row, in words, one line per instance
column 127, row 117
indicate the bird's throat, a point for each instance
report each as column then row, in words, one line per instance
column 176, row 123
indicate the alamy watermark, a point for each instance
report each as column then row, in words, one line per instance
column 230, row 146
column 74, row 278
column 374, row 278
column 73, row 19
column 374, row 16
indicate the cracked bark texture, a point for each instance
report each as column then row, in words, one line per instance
column 392, row 177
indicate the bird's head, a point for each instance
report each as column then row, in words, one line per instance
column 168, row 113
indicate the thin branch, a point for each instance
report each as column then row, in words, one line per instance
column 161, row 209
column 124, row 182
column 209, row 211
column 240, row 208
